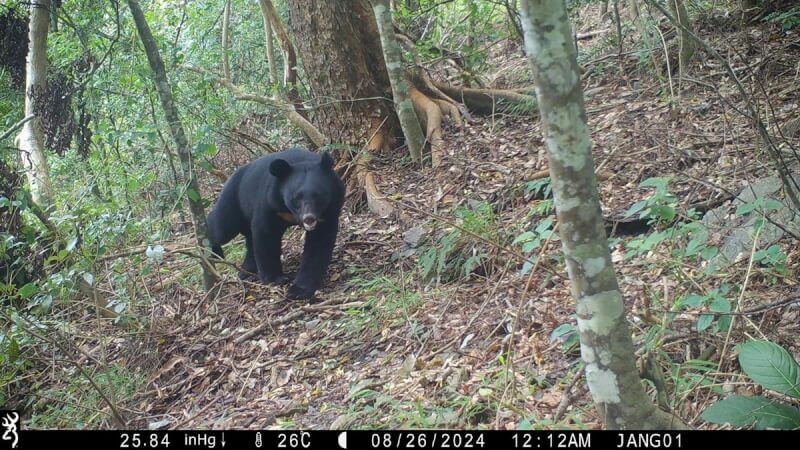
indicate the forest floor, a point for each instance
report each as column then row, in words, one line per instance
column 381, row 346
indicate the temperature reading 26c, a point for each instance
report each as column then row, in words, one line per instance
column 294, row 440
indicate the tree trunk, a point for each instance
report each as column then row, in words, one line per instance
column 273, row 70
column 226, row 40
column 394, row 66
column 342, row 57
column 289, row 58
column 31, row 138
column 181, row 143
column 606, row 345
column 686, row 45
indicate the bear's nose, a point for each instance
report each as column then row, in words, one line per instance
column 309, row 222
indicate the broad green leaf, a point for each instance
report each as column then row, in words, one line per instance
column 745, row 411
column 746, row 208
column 636, row 207
column 773, row 205
column 735, row 410
column 694, row 300
column 771, row 366
column 28, row 290
column 526, row 236
column 720, row 305
column 704, row 321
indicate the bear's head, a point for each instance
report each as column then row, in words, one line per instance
column 309, row 189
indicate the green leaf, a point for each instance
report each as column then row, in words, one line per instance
column 720, row 305
column 773, row 205
column 742, row 411
column 28, row 290
column 193, row 195
column 735, row 410
column 532, row 245
column 636, row 207
column 73, row 243
column 526, row 236
column 525, row 424
column 709, row 252
column 660, row 183
column 746, row 208
column 694, row 300
column 695, row 245
column 771, row 366
column 562, row 331
column 704, row 321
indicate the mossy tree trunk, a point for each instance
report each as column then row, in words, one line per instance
column 394, row 66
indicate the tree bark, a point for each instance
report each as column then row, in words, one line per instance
column 226, row 40
column 181, row 142
column 273, row 70
column 394, row 66
column 346, row 73
column 289, row 58
column 339, row 44
column 606, row 345
column 686, row 45
column 31, row 139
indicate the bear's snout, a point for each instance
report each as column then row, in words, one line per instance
column 309, row 221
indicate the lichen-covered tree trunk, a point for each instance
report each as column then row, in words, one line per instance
column 31, row 138
column 394, row 66
column 181, row 142
column 606, row 345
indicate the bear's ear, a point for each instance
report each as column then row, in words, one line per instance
column 280, row 168
column 327, row 160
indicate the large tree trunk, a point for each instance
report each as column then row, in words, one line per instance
column 31, row 138
column 341, row 53
column 606, row 345
column 182, row 144
column 394, row 66
column 339, row 46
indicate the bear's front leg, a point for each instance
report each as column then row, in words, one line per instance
column 267, row 251
column 317, row 252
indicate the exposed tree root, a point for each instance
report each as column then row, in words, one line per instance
column 430, row 114
column 490, row 101
column 365, row 178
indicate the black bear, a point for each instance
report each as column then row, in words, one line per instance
column 263, row 198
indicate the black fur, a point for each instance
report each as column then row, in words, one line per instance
column 261, row 197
